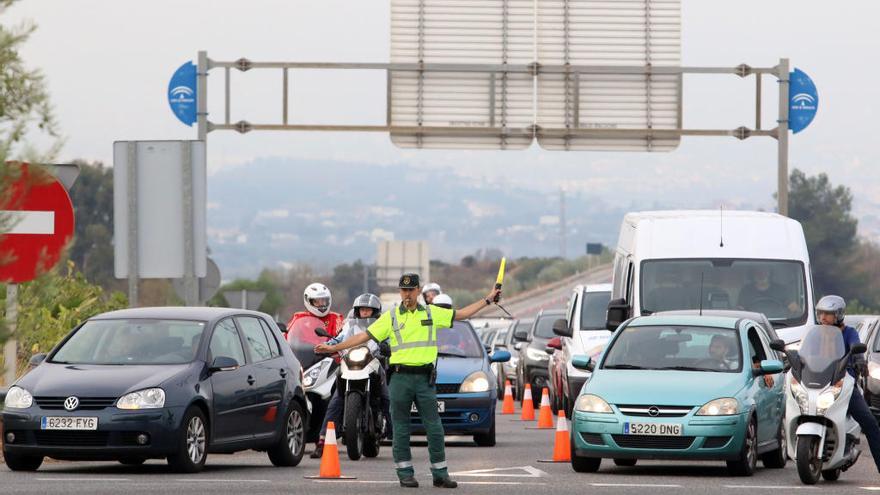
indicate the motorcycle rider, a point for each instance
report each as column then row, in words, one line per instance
column 430, row 291
column 317, row 300
column 366, row 309
column 830, row 310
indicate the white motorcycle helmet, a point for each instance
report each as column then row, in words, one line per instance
column 443, row 301
column 317, row 299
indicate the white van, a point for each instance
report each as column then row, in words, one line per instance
column 747, row 260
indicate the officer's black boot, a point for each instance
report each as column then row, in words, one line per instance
column 445, row 483
column 319, row 449
column 409, row 482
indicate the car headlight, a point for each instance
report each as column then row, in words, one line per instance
column 592, row 404
column 150, row 398
column 18, row 398
column 799, row 394
column 827, row 397
column 477, row 381
column 358, row 354
column 537, row 354
column 874, row 370
column 726, row 406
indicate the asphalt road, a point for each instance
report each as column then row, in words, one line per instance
column 510, row 468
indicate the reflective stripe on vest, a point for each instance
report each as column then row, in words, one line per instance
column 400, row 344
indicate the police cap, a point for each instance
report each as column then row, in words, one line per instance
column 409, row 281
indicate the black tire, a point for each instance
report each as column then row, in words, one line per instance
column 809, row 464
column 776, row 459
column 373, row 436
column 748, row 457
column 583, row 464
column 291, row 445
column 831, row 474
column 486, row 439
column 625, row 462
column 132, row 461
column 192, row 444
column 352, row 426
column 16, row 462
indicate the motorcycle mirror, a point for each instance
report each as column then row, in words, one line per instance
column 777, row 345
column 321, row 332
column 859, row 348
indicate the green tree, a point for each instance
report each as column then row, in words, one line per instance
column 830, row 230
column 92, row 197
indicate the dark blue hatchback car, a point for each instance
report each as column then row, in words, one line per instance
column 174, row 383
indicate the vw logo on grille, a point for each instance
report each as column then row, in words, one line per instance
column 71, row 403
column 654, row 411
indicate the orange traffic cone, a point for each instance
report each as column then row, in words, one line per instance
column 545, row 415
column 507, row 406
column 562, row 446
column 528, row 408
column 330, row 457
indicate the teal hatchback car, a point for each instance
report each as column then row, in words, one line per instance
column 682, row 387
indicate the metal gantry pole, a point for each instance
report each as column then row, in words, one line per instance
column 133, row 251
column 10, row 349
column 190, row 282
column 782, row 138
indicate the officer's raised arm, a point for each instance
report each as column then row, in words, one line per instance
column 474, row 308
column 348, row 343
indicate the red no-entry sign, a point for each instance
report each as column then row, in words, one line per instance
column 38, row 223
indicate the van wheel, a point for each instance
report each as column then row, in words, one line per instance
column 192, row 444
column 288, row 451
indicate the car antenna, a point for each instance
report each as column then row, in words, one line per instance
column 701, row 291
column 722, row 225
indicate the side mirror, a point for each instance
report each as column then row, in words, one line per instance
column 859, row 348
column 552, row 345
column 499, row 357
column 521, row 335
column 223, row 363
column 777, row 345
column 618, row 311
column 321, row 332
column 560, row 327
column 583, row 363
column 36, row 359
column 770, row 367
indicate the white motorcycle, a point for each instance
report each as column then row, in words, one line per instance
column 820, row 436
column 318, row 383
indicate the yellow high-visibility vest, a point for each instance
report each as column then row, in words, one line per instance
column 412, row 334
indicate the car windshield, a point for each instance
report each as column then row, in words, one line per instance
column 459, row 341
column 132, row 342
column 684, row 348
column 776, row 288
column 544, row 328
column 593, row 310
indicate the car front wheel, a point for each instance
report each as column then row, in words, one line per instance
column 17, row 462
column 192, row 445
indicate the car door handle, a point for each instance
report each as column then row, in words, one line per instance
column 251, row 380
column 283, row 373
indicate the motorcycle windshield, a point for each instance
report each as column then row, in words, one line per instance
column 359, row 325
column 820, row 353
column 302, row 338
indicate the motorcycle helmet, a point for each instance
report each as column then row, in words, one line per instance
column 832, row 304
column 317, row 299
column 443, row 301
column 367, row 300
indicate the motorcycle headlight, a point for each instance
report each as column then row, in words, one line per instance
column 477, row 381
column 874, row 370
column 537, row 354
column 151, row 398
column 358, row 354
column 312, row 374
column 592, row 404
column 18, row 398
column 828, row 396
column 726, row 406
column 799, row 394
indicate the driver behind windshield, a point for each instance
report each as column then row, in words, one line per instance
column 761, row 288
column 719, row 348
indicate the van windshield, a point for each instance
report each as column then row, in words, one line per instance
column 776, row 288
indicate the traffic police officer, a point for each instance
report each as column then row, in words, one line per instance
column 412, row 331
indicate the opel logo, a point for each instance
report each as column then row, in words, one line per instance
column 71, row 403
column 654, row 411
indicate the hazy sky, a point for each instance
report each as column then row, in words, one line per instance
column 108, row 65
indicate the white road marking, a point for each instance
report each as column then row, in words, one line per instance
column 871, row 488
column 190, row 480
column 525, row 472
column 83, row 479
column 30, row 222
column 378, row 482
column 634, row 485
column 773, row 487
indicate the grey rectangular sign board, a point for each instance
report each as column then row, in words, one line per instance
column 158, row 203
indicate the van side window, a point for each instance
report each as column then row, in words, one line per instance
column 572, row 305
column 629, row 284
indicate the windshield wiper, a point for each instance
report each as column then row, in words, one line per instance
column 624, row 367
column 450, row 354
column 685, row 368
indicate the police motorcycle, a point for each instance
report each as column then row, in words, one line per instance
column 364, row 423
column 820, row 436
